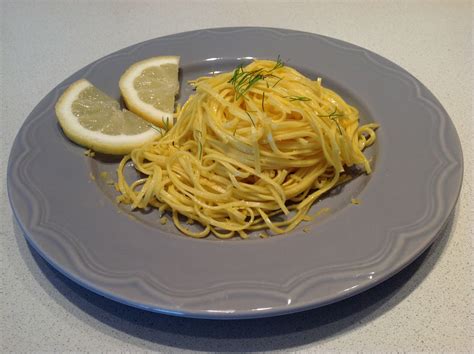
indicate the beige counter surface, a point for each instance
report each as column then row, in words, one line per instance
column 426, row 307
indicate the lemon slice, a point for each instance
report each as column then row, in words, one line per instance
column 91, row 118
column 149, row 88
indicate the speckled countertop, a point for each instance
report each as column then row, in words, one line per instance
column 428, row 306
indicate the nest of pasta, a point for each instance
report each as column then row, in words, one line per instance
column 261, row 141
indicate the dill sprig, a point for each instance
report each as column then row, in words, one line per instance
column 277, row 82
column 279, row 63
column 159, row 130
column 333, row 116
column 299, row 98
column 250, row 117
column 244, row 80
column 164, row 130
column 166, row 124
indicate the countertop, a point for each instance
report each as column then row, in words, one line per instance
column 426, row 307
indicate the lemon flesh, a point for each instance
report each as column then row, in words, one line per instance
column 91, row 118
column 158, row 86
column 149, row 88
column 96, row 111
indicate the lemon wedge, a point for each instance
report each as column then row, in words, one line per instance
column 149, row 88
column 91, row 118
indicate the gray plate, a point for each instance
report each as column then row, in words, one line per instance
column 72, row 221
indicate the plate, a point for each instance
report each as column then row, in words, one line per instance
column 67, row 212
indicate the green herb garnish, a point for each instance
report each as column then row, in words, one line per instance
column 166, row 124
column 162, row 131
column 277, row 82
column 250, row 117
column 279, row 63
column 299, row 98
column 333, row 116
column 244, row 80
column 159, row 130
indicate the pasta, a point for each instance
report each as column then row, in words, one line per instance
column 249, row 145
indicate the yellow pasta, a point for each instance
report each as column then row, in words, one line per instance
column 249, row 145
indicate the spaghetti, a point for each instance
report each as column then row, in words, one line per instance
column 261, row 141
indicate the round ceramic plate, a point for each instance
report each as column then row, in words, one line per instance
column 64, row 201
